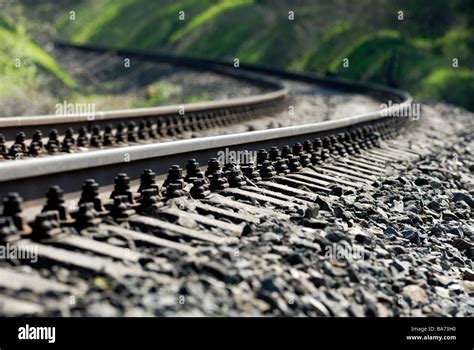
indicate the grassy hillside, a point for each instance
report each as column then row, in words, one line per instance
column 26, row 69
column 33, row 81
column 414, row 53
column 22, row 55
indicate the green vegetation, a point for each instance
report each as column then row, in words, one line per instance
column 27, row 70
column 159, row 93
column 208, row 15
column 414, row 53
column 456, row 87
column 32, row 81
column 22, row 61
column 115, row 16
column 23, row 52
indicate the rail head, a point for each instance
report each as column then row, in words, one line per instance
column 142, row 112
column 36, row 167
column 36, row 173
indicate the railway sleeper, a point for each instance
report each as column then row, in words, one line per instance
column 173, row 231
column 203, row 208
column 50, row 255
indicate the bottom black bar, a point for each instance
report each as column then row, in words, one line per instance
column 452, row 333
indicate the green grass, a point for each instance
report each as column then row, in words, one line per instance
column 140, row 18
column 370, row 57
column 330, row 45
column 208, row 15
column 414, row 54
column 22, row 61
column 458, row 42
column 96, row 22
column 453, row 85
column 227, row 41
column 160, row 92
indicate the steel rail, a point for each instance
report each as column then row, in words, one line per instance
column 10, row 126
column 55, row 119
column 71, row 162
column 372, row 89
column 34, row 176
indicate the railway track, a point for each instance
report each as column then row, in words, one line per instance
column 111, row 131
column 34, row 136
column 125, row 232
column 135, row 211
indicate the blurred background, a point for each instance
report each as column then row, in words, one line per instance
column 415, row 53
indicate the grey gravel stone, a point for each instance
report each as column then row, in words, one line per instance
column 464, row 197
column 402, row 248
column 391, row 231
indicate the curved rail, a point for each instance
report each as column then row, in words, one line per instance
column 182, row 113
column 246, row 141
column 34, row 176
column 55, row 119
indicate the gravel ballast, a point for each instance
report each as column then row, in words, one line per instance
column 403, row 248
